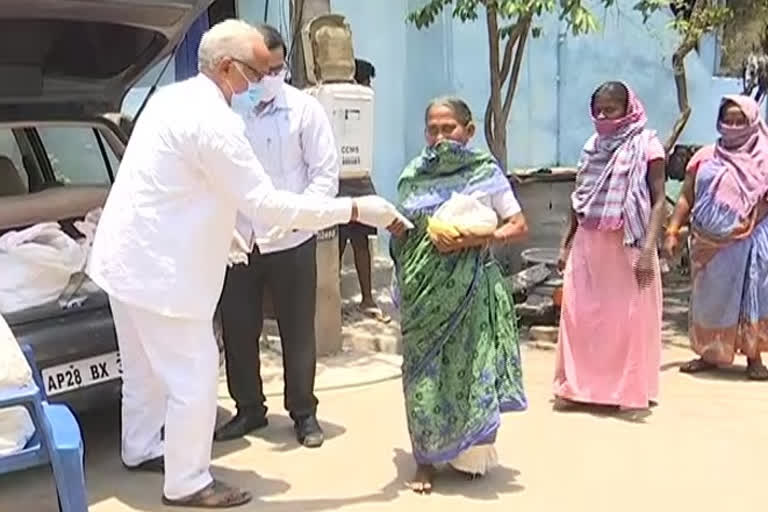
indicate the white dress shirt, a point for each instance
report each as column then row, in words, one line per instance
column 165, row 232
column 293, row 139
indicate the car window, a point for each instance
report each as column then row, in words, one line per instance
column 75, row 156
column 13, row 179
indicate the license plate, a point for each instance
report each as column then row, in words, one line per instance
column 82, row 373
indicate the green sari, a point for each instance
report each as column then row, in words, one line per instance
column 461, row 366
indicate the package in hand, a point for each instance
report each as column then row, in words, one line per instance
column 464, row 215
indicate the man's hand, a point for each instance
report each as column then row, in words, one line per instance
column 238, row 251
column 377, row 212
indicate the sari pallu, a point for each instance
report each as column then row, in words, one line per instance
column 461, row 359
column 729, row 299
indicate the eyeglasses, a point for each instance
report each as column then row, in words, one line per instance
column 257, row 75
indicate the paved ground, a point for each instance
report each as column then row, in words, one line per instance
column 703, row 448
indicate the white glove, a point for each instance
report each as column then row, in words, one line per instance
column 378, row 212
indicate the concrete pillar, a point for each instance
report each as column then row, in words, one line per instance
column 328, row 310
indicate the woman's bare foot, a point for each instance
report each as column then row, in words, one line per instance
column 422, row 480
column 756, row 370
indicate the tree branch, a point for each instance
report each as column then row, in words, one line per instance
column 496, row 84
column 511, row 40
column 687, row 45
column 515, row 77
column 681, row 84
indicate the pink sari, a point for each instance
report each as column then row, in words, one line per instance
column 609, row 344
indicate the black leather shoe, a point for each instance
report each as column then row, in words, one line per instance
column 156, row 465
column 308, row 432
column 241, row 425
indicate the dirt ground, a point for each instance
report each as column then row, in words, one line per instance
column 701, row 449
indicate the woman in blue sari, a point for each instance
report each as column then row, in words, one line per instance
column 724, row 195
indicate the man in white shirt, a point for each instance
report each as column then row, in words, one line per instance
column 161, row 248
column 293, row 139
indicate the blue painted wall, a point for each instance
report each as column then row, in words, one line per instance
column 549, row 121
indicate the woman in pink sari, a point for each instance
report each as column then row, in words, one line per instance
column 724, row 195
column 609, row 347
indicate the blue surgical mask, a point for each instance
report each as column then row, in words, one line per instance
column 246, row 102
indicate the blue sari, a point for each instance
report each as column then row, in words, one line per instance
column 729, row 302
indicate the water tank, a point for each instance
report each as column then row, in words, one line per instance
column 350, row 110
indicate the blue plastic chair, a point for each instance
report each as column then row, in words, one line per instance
column 57, row 441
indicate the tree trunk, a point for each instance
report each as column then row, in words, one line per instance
column 301, row 12
column 495, row 129
column 504, row 69
column 681, row 85
column 681, row 81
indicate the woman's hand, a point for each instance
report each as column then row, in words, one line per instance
column 514, row 229
column 447, row 244
column 644, row 271
column 562, row 258
column 397, row 228
column 671, row 245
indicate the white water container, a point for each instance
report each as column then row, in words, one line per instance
column 350, row 110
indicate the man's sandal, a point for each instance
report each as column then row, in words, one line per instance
column 215, row 495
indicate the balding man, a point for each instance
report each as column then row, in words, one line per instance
column 161, row 249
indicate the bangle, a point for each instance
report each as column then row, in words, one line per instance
column 672, row 232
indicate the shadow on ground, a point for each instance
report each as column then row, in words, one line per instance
column 448, row 482
column 677, row 292
column 606, row 412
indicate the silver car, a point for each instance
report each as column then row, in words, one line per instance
column 66, row 66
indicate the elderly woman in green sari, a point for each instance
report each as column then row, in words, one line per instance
column 461, row 366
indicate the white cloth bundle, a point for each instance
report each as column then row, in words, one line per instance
column 36, row 265
column 16, row 427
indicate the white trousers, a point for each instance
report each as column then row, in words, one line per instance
column 170, row 374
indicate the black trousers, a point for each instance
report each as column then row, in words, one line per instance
column 292, row 278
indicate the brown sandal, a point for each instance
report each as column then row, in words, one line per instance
column 215, row 495
column 376, row 313
column 757, row 371
column 697, row 366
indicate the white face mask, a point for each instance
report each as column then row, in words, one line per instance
column 272, row 85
